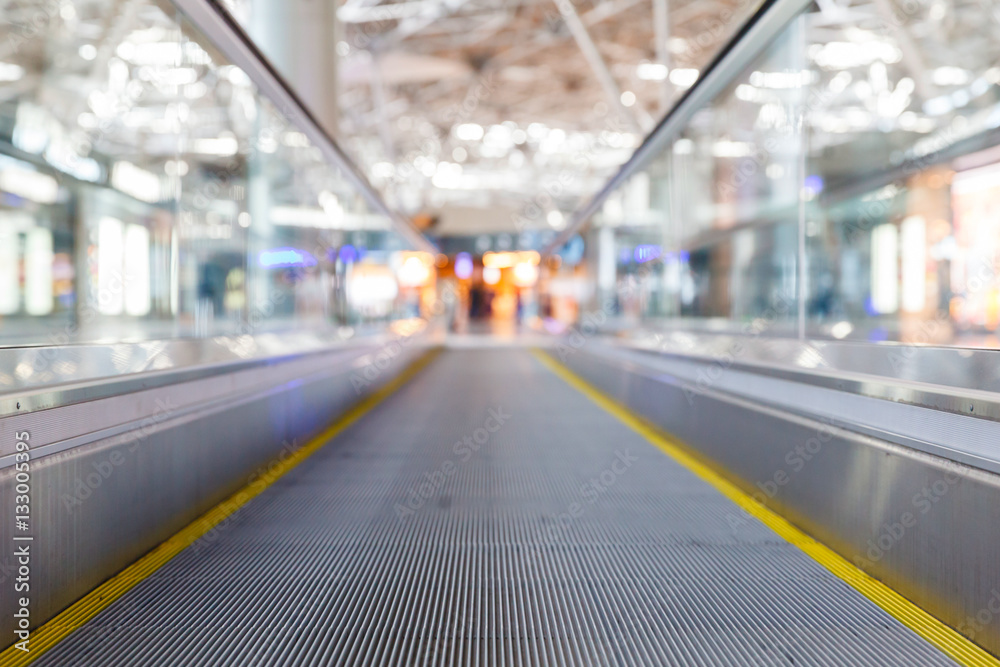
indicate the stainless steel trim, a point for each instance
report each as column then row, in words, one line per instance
column 39, row 378
column 944, row 434
column 232, row 41
column 762, row 28
column 270, row 381
column 958, row 380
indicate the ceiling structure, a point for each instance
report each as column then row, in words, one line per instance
column 519, row 109
column 488, row 115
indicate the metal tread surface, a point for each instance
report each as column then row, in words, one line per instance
column 429, row 533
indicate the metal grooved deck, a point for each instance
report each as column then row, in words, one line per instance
column 495, row 565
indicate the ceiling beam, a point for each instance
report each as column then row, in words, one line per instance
column 599, row 67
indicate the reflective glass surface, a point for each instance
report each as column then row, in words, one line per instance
column 148, row 190
column 845, row 184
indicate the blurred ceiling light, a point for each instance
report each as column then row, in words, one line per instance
column 222, row 146
column 529, row 257
column 304, row 216
column 415, row 269
column 244, row 219
column 485, row 150
column 371, row 285
column 10, row 72
column 62, row 155
column 195, row 91
column 499, row 260
column 469, row 132
column 938, row 106
column 87, row 120
column 910, row 121
column 459, row 154
column 525, row 274
column 463, row 266
column 652, row 71
column 840, row 82
column 556, row 219
column 448, row 175
column 498, row 136
column 154, row 33
column 781, row 80
column 684, row 146
column 628, row 98
column 136, row 181
column 537, row 130
column 87, row 51
column 101, row 104
column 677, row 45
column 332, row 207
column 960, row 98
column 749, row 93
column 683, row 77
column 155, row 53
column 845, row 55
column 979, row 87
column 518, row 136
column 32, row 127
column 891, row 104
column 726, row 148
column 175, row 76
column 236, row 76
column 841, row 329
column 383, row 170
column 491, row 275
column 30, row 185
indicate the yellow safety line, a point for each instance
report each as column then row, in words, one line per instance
column 57, row 629
column 945, row 638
